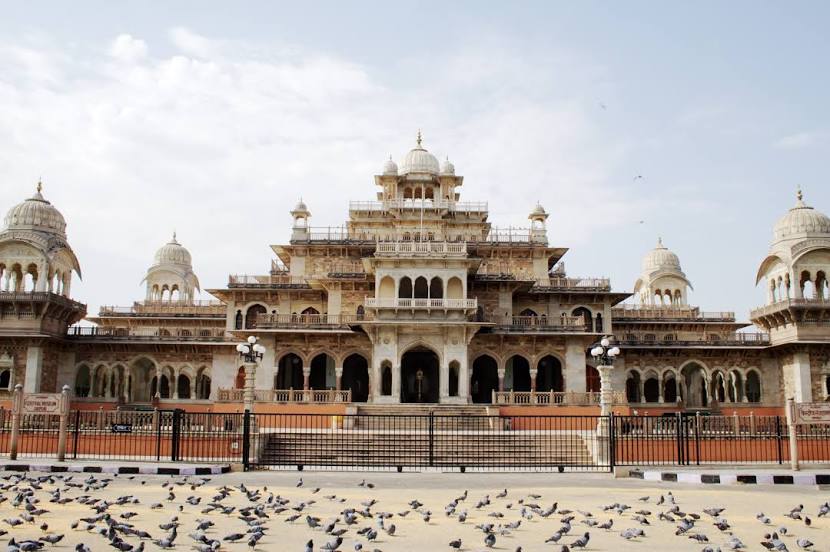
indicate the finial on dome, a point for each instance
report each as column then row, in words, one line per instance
column 660, row 241
column 39, row 185
column 418, row 139
column 174, row 235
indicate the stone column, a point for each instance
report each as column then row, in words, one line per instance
column 248, row 395
column 797, row 382
column 501, row 372
column 34, row 369
column 443, row 381
column 338, row 378
column 174, row 385
column 642, row 391
column 306, row 377
column 606, row 400
column 533, row 373
column 660, row 398
column 396, row 383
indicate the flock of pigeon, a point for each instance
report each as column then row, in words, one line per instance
column 119, row 523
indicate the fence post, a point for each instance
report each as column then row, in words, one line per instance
column 431, row 438
column 697, row 438
column 77, row 434
column 612, row 442
column 246, row 440
column 778, row 440
column 62, row 426
column 791, row 427
column 678, row 431
column 17, row 413
column 157, row 424
column 174, row 436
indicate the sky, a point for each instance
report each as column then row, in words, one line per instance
column 694, row 122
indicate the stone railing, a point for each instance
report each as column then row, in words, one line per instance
column 645, row 312
column 815, row 302
column 542, row 324
column 266, row 321
column 562, row 283
column 553, row 398
column 711, row 340
column 514, row 235
column 287, row 395
column 174, row 308
column 419, row 303
column 421, row 249
column 147, row 334
column 417, row 204
column 266, row 281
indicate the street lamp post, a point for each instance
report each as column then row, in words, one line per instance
column 251, row 353
column 605, row 355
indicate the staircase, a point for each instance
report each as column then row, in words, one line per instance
column 400, row 435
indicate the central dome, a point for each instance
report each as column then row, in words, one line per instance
column 173, row 253
column 801, row 220
column 660, row 258
column 419, row 160
column 36, row 214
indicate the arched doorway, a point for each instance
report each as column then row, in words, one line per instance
column 517, row 374
column 549, row 375
column 419, row 376
column 251, row 315
column 143, row 380
column 587, row 317
column 322, row 373
column 356, row 377
column 386, row 379
column 695, row 388
column 651, row 389
column 290, row 374
column 592, row 379
column 453, row 381
column 485, row 379
column 632, row 387
column 239, row 381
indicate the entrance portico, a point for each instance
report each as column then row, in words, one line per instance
column 420, row 376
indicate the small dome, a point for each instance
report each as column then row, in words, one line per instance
column 801, row 220
column 538, row 211
column 390, row 167
column 447, row 167
column 419, row 160
column 660, row 258
column 300, row 207
column 173, row 253
column 36, row 214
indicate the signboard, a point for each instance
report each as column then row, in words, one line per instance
column 122, row 428
column 41, row 403
column 812, row 413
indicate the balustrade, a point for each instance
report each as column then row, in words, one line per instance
column 553, row 398
column 267, row 321
column 420, row 303
column 287, row 395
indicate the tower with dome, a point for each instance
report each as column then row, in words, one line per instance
column 418, row 298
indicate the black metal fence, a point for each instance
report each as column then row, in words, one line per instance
column 405, row 442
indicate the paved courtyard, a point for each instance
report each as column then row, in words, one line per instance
column 404, row 512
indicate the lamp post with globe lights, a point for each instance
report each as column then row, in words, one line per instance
column 251, row 353
column 605, row 354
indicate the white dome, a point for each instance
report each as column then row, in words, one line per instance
column 801, row 221
column 300, row 207
column 419, row 160
column 36, row 214
column 173, row 253
column 447, row 167
column 660, row 258
column 390, row 167
column 538, row 211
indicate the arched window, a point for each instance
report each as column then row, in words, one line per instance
column 360, row 312
column 586, row 316
column 251, row 316
column 405, row 288
column 632, row 387
column 549, row 375
column 82, row 383
column 592, row 379
column 5, row 379
column 453, row 381
column 651, row 390
column 421, row 288
column 238, row 320
column 387, row 287
column 310, row 311
column 669, row 388
column 183, row 387
column 239, row 382
column 436, row 288
column 806, row 285
column 386, row 378
column 599, row 323
column 753, row 387
column 455, row 289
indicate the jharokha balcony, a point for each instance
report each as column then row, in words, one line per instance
column 267, row 281
column 421, row 249
column 210, row 309
column 266, row 321
column 669, row 314
column 562, row 283
column 420, row 303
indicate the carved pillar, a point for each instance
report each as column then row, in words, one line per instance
column 443, row 381
column 174, row 385
column 501, row 372
column 306, row 377
column 533, row 373
column 338, row 377
column 396, row 383
column 660, row 398
column 642, row 390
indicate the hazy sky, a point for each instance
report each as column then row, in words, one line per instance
column 212, row 118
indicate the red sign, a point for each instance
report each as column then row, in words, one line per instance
column 42, row 403
column 812, row 413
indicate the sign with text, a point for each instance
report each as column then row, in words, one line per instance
column 812, row 413
column 122, row 428
column 42, row 403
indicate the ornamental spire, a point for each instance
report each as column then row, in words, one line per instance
column 418, row 139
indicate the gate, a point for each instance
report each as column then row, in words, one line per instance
column 405, row 442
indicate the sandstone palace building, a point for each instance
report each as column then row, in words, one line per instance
column 418, row 298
